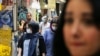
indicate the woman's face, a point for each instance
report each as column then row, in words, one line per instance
column 54, row 26
column 80, row 34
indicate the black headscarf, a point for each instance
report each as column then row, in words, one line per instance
column 34, row 26
column 53, row 21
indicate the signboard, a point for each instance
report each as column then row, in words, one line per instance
column 51, row 4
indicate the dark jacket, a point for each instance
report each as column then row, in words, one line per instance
column 33, row 41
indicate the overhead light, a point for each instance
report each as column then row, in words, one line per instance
column 52, row 9
column 60, row 11
column 45, row 5
column 39, row 11
column 37, row 5
column 61, row 1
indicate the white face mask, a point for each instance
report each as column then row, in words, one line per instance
column 28, row 30
column 44, row 20
column 54, row 28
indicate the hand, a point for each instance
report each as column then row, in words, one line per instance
column 19, row 51
column 43, row 54
column 22, row 22
column 18, row 55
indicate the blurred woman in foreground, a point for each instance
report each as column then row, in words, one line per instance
column 78, row 30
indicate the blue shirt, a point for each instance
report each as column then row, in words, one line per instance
column 48, row 38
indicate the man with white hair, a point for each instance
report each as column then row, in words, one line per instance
column 23, row 25
column 44, row 24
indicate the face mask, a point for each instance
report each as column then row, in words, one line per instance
column 44, row 20
column 28, row 30
column 54, row 28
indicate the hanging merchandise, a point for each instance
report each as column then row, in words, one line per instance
column 22, row 16
column 36, row 3
column 7, row 2
column 22, row 11
column 4, row 2
column 6, row 25
column 6, row 18
column 5, row 42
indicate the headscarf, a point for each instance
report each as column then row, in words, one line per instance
column 53, row 21
column 34, row 27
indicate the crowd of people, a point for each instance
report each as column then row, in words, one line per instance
column 75, row 33
column 36, row 38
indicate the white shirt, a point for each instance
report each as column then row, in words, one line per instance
column 26, row 47
column 43, row 26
